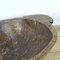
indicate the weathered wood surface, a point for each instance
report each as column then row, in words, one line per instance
column 54, row 53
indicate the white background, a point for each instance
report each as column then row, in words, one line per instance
column 18, row 8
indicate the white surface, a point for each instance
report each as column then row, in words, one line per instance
column 18, row 8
